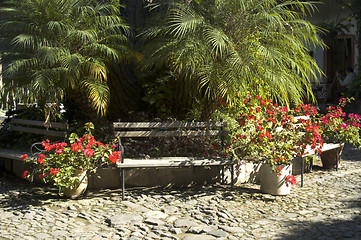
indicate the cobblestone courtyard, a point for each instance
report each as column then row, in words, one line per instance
column 327, row 207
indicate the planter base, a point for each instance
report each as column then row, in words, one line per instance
column 83, row 183
column 273, row 183
column 329, row 158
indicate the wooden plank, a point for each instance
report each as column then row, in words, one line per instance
column 168, row 124
column 38, row 131
column 11, row 154
column 172, row 162
column 39, row 123
column 325, row 147
column 330, row 146
column 173, row 133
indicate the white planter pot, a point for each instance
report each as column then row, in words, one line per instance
column 83, row 183
column 272, row 182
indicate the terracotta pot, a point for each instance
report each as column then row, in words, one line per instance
column 83, row 184
column 329, row 157
column 272, row 182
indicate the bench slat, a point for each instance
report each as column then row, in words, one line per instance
column 11, row 154
column 172, row 162
column 325, row 147
column 171, row 133
column 39, row 123
column 168, row 124
column 38, row 131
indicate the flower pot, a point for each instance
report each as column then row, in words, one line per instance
column 272, row 182
column 329, row 157
column 80, row 189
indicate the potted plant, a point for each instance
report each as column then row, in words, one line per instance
column 66, row 165
column 339, row 127
column 271, row 134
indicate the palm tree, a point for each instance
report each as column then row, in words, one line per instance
column 61, row 48
column 225, row 48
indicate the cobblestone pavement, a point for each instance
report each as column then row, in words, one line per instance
column 327, row 207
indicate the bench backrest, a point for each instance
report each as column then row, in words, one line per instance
column 39, row 127
column 169, row 129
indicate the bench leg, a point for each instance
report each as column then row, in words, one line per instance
column 222, row 175
column 337, row 158
column 302, row 169
column 123, row 182
column 232, row 176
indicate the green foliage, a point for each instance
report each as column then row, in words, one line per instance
column 217, row 49
column 338, row 127
column 54, row 46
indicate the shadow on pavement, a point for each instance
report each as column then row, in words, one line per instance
column 337, row 229
column 328, row 228
column 18, row 194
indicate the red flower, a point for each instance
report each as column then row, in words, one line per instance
column 268, row 135
column 42, row 175
column 75, row 147
column 291, row 179
column 40, row 159
column 89, row 152
column 54, row 171
column 59, row 151
column 115, row 157
column 25, row 174
column 24, row 157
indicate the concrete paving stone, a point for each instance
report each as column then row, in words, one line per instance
column 218, row 233
column 185, row 223
column 175, row 231
column 42, row 236
column 232, row 229
column 198, row 237
column 155, row 214
column 154, row 221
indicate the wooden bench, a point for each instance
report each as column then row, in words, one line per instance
column 325, row 147
column 171, row 129
column 50, row 129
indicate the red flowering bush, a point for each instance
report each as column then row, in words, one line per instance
column 290, row 179
column 267, row 132
column 339, row 127
column 60, row 161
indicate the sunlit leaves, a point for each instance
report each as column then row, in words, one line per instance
column 60, row 45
